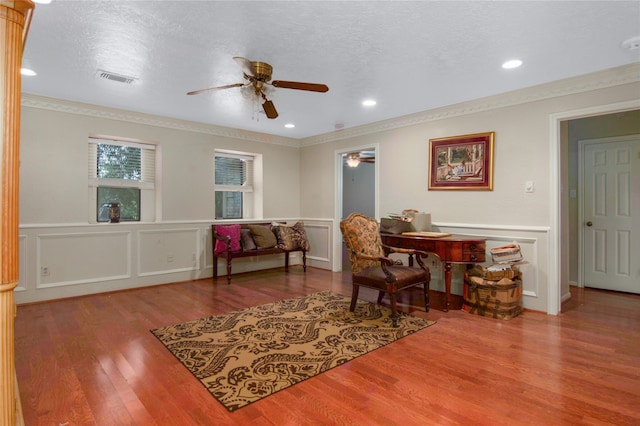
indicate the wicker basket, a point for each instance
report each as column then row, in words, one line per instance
column 511, row 272
column 496, row 299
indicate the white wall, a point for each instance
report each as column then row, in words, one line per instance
column 53, row 172
column 523, row 152
column 82, row 258
column 299, row 182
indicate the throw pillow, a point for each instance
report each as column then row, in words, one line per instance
column 247, row 240
column 263, row 236
column 232, row 231
column 291, row 237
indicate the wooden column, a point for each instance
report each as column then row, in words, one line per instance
column 14, row 22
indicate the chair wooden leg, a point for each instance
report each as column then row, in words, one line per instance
column 394, row 309
column 380, row 296
column 354, row 297
column 425, row 286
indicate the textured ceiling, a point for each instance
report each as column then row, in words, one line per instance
column 409, row 56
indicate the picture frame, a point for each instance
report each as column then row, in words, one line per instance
column 462, row 162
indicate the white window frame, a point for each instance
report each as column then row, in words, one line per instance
column 147, row 184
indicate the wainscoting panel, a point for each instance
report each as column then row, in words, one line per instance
column 77, row 258
column 533, row 242
column 320, row 235
column 164, row 251
column 68, row 260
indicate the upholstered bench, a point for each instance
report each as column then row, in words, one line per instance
column 232, row 241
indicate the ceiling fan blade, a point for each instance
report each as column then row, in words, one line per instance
column 311, row 87
column 245, row 64
column 269, row 109
column 228, row 86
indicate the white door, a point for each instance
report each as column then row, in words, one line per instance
column 611, row 213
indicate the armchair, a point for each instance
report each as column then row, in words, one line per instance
column 371, row 267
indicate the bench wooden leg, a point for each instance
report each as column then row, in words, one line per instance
column 229, row 270
column 215, row 267
column 286, row 262
column 304, row 261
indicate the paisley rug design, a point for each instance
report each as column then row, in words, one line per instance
column 244, row 356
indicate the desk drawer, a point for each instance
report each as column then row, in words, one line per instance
column 473, row 257
column 473, row 252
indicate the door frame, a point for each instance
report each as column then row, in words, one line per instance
column 339, row 180
column 554, row 287
column 582, row 144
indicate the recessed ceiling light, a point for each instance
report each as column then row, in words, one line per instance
column 289, row 125
column 368, row 102
column 27, row 71
column 42, row 1
column 631, row 44
column 514, row 63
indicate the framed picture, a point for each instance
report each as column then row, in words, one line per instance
column 462, row 162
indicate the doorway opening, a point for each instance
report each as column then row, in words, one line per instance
column 356, row 191
column 562, row 260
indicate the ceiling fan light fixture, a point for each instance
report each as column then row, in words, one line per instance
column 353, row 160
column 258, row 82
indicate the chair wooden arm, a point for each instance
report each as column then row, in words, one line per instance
column 419, row 254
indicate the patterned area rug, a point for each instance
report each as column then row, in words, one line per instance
column 244, row 356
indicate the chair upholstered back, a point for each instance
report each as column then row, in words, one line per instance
column 361, row 234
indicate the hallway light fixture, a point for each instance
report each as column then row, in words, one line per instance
column 353, row 160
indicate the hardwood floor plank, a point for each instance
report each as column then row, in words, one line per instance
column 93, row 360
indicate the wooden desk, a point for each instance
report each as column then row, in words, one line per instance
column 451, row 249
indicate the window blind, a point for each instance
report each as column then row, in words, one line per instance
column 233, row 172
column 121, row 164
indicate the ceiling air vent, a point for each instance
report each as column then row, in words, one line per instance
column 116, row 77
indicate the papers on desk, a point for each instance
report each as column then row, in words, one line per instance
column 426, row 234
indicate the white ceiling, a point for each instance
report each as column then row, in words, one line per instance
column 409, row 56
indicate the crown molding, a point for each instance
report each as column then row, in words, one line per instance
column 70, row 107
column 599, row 80
column 585, row 83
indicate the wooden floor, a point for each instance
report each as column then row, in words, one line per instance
column 92, row 360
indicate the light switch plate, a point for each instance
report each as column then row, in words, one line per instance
column 528, row 186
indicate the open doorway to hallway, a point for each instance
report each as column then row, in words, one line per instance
column 357, row 191
column 576, row 256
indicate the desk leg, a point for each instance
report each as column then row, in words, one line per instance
column 447, row 285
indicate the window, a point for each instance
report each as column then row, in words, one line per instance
column 122, row 172
column 233, row 185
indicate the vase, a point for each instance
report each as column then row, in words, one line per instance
column 114, row 213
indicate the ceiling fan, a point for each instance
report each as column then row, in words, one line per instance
column 354, row 158
column 258, row 74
